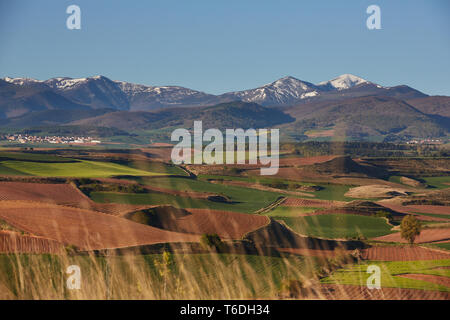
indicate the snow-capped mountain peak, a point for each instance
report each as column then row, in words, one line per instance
column 345, row 81
column 280, row 92
column 63, row 83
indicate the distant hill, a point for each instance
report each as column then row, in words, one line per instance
column 226, row 115
column 436, row 105
column 347, row 166
column 51, row 117
column 366, row 116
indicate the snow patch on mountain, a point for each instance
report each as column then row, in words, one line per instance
column 345, row 81
column 282, row 91
column 21, row 81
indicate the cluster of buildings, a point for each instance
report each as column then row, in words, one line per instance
column 425, row 141
column 25, row 138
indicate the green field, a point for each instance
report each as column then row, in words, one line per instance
column 438, row 182
column 333, row 192
column 357, row 274
column 241, row 199
column 329, row 191
column 445, row 245
column 337, row 226
column 81, row 168
column 176, row 201
column 156, row 166
column 444, row 216
column 34, row 157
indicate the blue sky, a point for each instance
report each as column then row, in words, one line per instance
column 218, row 46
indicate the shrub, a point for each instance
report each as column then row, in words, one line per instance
column 212, row 241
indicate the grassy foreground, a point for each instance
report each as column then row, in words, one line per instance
column 194, row 276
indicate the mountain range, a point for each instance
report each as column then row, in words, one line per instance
column 348, row 104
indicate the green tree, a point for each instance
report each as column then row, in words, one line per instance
column 410, row 228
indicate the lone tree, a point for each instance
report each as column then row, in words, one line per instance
column 410, row 228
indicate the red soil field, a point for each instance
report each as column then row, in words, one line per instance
column 12, row 242
column 161, row 144
column 406, row 253
column 88, row 230
column 427, row 235
column 228, row 225
column 295, row 202
column 313, row 252
column 417, row 208
column 345, row 292
column 163, row 154
column 440, row 280
column 290, row 173
column 298, row 161
column 62, row 194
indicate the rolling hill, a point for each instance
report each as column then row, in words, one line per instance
column 226, row 115
column 366, row 116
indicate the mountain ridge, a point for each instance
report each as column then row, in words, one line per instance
column 99, row 92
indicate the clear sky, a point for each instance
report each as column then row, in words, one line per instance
column 223, row 45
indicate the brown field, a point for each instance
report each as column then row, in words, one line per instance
column 88, row 230
column 44, row 192
column 228, row 225
column 324, row 133
column 418, row 208
column 402, row 254
column 295, row 202
column 11, row 242
column 375, row 191
column 298, row 161
column 61, row 194
column 440, row 280
column 313, row 252
column 163, row 154
column 290, row 173
column 345, row 292
column 427, row 235
column 161, row 144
